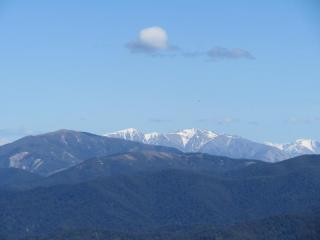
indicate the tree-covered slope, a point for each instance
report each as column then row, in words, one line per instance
column 151, row 200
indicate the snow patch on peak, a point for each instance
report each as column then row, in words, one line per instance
column 190, row 140
column 188, row 134
column 127, row 131
column 276, row 145
column 307, row 143
column 130, row 130
column 149, row 136
column 299, row 147
column 131, row 134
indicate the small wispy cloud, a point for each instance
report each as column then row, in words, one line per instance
column 218, row 53
column 154, row 41
column 302, row 120
column 253, row 123
column 227, row 120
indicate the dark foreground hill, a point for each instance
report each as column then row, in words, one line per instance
column 283, row 227
column 151, row 200
column 146, row 161
column 297, row 164
column 131, row 163
column 10, row 177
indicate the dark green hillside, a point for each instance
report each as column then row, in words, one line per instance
column 146, row 161
column 282, row 227
column 11, row 177
column 151, row 200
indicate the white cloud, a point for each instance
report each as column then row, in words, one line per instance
column 154, row 37
column 154, row 41
column 150, row 39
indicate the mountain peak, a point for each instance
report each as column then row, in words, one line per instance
column 60, row 131
column 190, row 133
column 126, row 131
column 307, row 143
column 129, row 130
column 149, row 136
column 299, row 147
column 131, row 134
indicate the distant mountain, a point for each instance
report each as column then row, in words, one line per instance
column 299, row 147
column 152, row 200
column 142, row 161
column 196, row 140
column 48, row 153
column 188, row 140
column 128, row 134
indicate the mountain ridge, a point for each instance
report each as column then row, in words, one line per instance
column 54, row 151
column 198, row 140
column 299, row 147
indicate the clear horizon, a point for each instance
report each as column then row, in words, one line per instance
column 251, row 69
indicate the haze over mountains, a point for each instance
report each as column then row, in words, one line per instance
column 197, row 140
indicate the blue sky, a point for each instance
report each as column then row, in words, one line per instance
column 249, row 68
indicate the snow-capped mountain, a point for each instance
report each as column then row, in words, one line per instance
column 238, row 147
column 188, row 140
column 299, row 147
column 197, row 140
column 128, row 134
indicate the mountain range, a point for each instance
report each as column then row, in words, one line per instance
column 205, row 141
column 69, row 185
column 46, row 154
